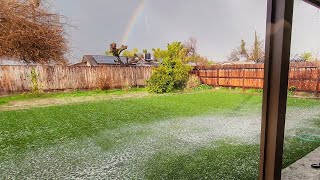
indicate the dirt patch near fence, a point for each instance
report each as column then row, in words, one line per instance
column 27, row 104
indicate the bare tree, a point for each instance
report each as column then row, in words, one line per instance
column 234, row 55
column 35, row 3
column 31, row 33
column 190, row 50
column 191, row 55
column 191, row 46
column 117, row 51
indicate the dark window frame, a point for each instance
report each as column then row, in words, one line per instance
column 277, row 48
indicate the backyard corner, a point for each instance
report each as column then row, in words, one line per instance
column 207, row 134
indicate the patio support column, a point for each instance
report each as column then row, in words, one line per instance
column 277, row 54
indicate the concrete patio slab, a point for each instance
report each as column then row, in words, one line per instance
column 302, row 170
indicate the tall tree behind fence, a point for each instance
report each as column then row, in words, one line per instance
column 302, row 76
column 49, row 78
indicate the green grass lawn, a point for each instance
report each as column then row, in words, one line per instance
column 112, row 124
column 75, row 93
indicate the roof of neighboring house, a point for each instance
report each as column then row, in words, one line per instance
column 79, row 64
column 240, row 62
column 192, row 64
column 13, row 62
column 147, row 63
column 96, row 60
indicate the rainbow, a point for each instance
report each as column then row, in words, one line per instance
column 136, row 13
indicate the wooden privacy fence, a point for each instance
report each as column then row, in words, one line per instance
column 303, row 76
column 49, row 78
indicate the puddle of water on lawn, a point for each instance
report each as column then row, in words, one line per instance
column 133, row 145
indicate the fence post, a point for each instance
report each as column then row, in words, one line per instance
column 243, row 72
column 206, row 75
column 317, row 84
column 218, row 67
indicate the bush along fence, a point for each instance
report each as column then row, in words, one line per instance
column 302, row 76
column 51, row 78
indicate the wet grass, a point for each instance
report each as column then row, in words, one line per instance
column 295, row 149
column 226, row 161
column 23, row 131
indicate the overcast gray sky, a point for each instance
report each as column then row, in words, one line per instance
column 218, row 25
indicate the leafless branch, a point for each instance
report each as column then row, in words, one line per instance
column 31, row 33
